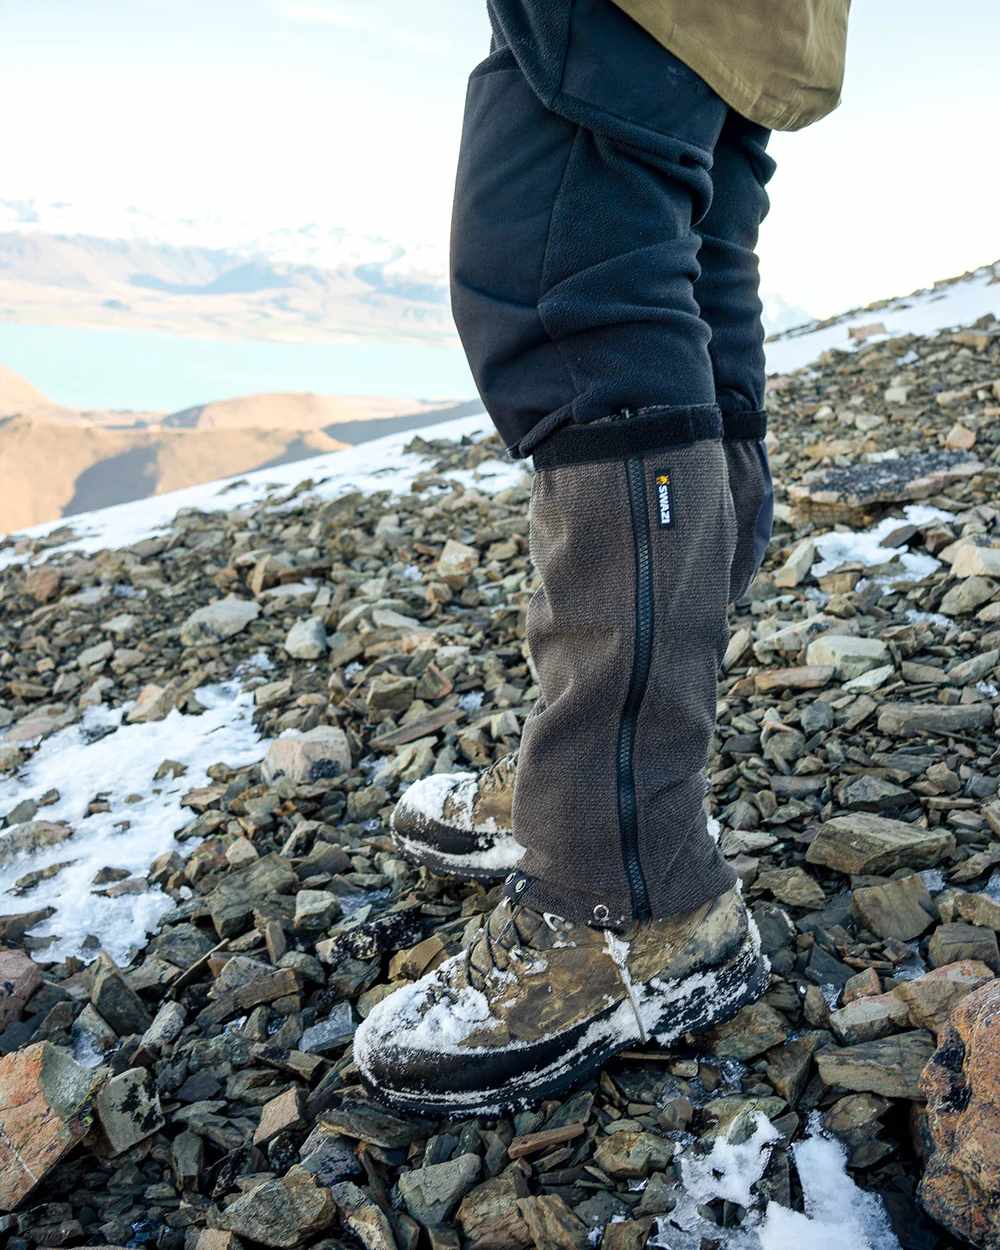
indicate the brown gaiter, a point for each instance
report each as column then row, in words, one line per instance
column 626, row 631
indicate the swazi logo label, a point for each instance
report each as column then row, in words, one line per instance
column 664, row 500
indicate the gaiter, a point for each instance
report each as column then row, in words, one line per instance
column 633, row 535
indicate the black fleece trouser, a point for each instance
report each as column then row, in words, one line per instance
column 605, row 287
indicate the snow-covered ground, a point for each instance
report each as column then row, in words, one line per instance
column 381, row 464
column 103, row 755
column 839, row 1215
column 925, row 312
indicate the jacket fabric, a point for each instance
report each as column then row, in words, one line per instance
column 778, row 62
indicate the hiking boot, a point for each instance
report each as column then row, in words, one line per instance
column 537, row 1004
column 459, row 823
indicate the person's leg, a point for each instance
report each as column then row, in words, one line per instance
column 727, row 295
column 574, row 262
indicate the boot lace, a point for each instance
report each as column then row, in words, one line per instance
column 498, row 775
column 496, row 952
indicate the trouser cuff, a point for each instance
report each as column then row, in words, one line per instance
column 744, row 424
column 629, row 433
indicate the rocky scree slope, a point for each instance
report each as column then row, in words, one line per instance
column 201, row 1095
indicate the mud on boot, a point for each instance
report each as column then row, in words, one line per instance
column 460, row 823
column 537, row 1004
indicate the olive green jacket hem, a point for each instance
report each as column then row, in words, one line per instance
column 778, row 62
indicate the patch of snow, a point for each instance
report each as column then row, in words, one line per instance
column 500, row 856
column 378, row 465
column 910, row 969
column 988, row 689
column 992, row 887
column 925, row 312
column 259, row 662
column 933, row 879
column 831, row 993
column 936, row 619
column 471, row 701
column 103, row 756
column 730, row 1171
column 838, row 1214
column 836, row 548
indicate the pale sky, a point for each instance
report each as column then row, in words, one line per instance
column 348, row 112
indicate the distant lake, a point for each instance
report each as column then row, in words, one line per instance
column 84, row 368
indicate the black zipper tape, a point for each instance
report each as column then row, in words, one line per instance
column 628, row 822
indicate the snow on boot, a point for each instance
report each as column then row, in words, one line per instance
column 537, row 1004
column 459, row 823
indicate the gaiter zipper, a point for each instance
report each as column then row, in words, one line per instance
column 627, row 801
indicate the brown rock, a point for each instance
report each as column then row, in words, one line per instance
column 42, row 583
column 792, row 886
column 552, row 1224
column 953, row 942
column 890, row 1066
column 962, row 1086
column 281, row 1113
column 899, row 909
column 627, row 1234
column 19, row 978
column 488, row 1216
column 865, row 843
column 44, row 1111
column 930, row 999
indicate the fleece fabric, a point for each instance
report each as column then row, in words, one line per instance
column 605, row 261
column 590, row 793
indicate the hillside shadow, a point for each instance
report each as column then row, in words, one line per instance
column 119, row 479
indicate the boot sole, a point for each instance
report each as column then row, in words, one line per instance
column 701, row 1001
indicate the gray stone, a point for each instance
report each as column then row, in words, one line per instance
column 953, row 942
column 911, row 720
column 866, row 1019
column 864, row 843
column 849, row 656
column 316, row 910
column 975, row 561
column 431, row 1194
column 307, row 640
column 968, row 595
column 218, row 621
column 128, row 1109
column 282, row 1213
column 632, row 1154
column 872, row 794
column 331, row 1034
column 890, row 1066
column 166, row 1028
column 116, row 1002
column 329, row 1157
